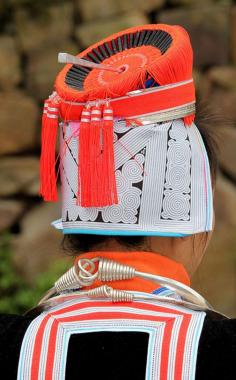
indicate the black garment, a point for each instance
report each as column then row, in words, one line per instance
column 121, row 356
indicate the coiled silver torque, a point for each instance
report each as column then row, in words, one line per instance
column 67, row 280
column 78, row 276
column 89, row 270
column 108, row 292
column 109, row 270
column 85, row 273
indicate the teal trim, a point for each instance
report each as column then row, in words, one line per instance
column 67, row 231
column 209, row 205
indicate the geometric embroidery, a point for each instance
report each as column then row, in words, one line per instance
column 174, row 333
column 176, row 194
column 163, row 182
column 129, row 195
column 127, row 177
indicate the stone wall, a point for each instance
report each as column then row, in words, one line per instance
column 31, row 35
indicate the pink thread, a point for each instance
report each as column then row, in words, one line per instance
column 132, row 156
column 74, row 125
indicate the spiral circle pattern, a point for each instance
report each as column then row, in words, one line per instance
column 133, row 171
column 178, row 153
column 131, row 199
column 178, row 177
column 176, row 206
column 139, row 158
column 88, row 213
column 176, row 195
column 112, row 214
column 129, row 195
column 122, row 183
column 179, row 132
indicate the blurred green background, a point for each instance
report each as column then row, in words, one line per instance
column 32, row 32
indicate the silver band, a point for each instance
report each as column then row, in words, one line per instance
column 171, row 114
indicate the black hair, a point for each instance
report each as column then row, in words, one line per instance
column 78, row 243
column 206, row 121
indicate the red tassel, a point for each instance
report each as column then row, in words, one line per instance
column 48, row 189
column 95, row 159
column 108, row 193
column 83, row 197
column 97, row 182
column 188, row 120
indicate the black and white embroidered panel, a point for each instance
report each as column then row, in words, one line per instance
column 162, row 175
column 129, row 178
column 176, row 194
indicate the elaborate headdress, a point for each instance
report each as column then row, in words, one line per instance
column 132, row 161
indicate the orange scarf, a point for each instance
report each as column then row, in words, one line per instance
column 149, row 262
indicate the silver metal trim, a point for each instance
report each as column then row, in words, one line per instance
column 85, row 273
column 171, row 114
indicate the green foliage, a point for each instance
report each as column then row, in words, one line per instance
column 16, row 296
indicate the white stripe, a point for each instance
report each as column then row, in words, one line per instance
column 51, row 116
column 96, row 112
column 95, row 119
column 155, row 329
column 52, row 109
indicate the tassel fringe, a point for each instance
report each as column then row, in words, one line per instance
column 109, row 196
column 84, row 158
column 97, row 183
column 174, row 65
column 188, row 120
column 48, row 188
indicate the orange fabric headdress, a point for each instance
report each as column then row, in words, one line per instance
column 145, row 57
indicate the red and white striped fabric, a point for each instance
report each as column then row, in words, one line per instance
column 174, row 333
